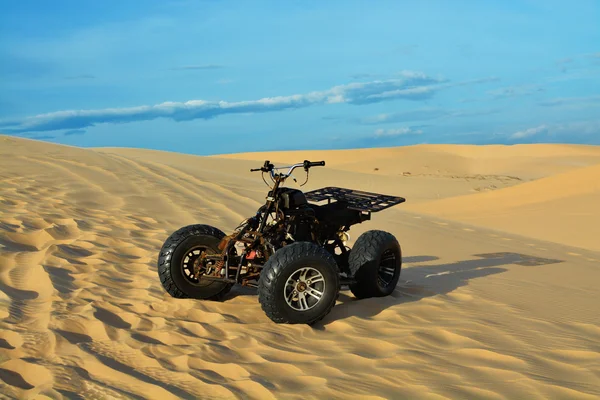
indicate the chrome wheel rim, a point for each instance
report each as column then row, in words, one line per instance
column 304, row 289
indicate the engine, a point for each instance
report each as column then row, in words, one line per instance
column 295, row 220
column 301, row 230
column 293, row 203
column 291, row 198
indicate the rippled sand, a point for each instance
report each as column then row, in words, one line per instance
column 504, row 313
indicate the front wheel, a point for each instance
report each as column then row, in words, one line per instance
column 176, row 263
column 375, row 262
column 299, row 284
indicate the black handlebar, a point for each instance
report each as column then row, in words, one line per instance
column 308, row 164
column 268, row 167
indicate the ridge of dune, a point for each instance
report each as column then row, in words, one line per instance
column 83, row 314
column 562, row 208
column 341, row 156
column 419, row 183
column 530, row 161
column 572, row 183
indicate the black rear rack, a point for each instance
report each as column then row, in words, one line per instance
column 356, row 199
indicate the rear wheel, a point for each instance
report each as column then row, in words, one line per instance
column 180, row 252
column 375, row 262
column 299, row 284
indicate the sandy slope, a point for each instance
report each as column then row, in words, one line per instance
column 564, row 208
column 549, row 192
column 478, row 314
column 460, row 161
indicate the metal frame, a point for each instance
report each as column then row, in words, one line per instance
column 355, row 199
column 262, row 238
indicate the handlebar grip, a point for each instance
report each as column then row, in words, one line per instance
column 308, row 164
column 267, row 167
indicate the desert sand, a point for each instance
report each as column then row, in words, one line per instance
column 498, row 297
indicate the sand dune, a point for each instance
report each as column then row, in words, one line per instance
column 525, row 162
column 549, row 192
column 477, row 314
column 563, row 208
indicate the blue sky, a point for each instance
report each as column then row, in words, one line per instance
column 210, row 77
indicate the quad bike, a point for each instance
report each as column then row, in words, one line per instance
column 293, row 251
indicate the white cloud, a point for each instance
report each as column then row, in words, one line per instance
column 567, row 132
column 397, row 132
column 412, row 74
column 423, row 114
column 583, row 128
column 514, row 91
column 336, row 99
column 413, row 86
column 353, row 93
column 565, row 101
column 529, row 132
